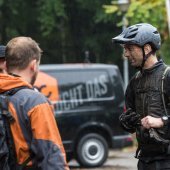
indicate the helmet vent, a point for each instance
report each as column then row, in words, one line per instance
column 132, row 35
column 135, row 29
column 156, row 32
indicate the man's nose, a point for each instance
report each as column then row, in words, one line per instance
column 125, row 53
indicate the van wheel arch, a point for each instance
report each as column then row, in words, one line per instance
column 98, row 130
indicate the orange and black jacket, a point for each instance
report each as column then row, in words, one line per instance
column 34, row 130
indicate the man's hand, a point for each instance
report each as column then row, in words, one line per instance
column 151, row 122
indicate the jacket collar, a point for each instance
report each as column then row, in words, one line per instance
column 8, row 82
column 155, row 66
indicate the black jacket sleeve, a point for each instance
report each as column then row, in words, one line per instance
column 130, row 95
column 130, row 103
column 167, row 91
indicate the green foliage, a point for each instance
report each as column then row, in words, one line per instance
column 1, row 2
column 51, row 14
column 110, row 9
column 153, row 12
column 165, row 53
column 15, row 18
column 64, row 29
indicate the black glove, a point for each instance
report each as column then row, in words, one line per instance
column 129, row 120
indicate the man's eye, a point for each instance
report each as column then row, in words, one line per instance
column 130, row 48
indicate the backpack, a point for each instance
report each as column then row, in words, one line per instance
column 153, row 132
column 7, row 150
column 167, row 69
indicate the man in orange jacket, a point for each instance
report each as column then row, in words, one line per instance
column 34, row 131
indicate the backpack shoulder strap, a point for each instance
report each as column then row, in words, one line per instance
column 15, row 90
column 137, row 74
column 167, row 69
column 4, row 100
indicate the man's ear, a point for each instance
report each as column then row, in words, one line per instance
column 33, row 65
column 5, row 67
column 147, row 49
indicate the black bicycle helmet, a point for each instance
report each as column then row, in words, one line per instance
column 2, row 51
column 139, row 34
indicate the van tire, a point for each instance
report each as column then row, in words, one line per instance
column 92, row 150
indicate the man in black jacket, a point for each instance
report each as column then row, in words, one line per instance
column 147, row 96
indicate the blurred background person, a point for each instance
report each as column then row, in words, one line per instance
column 2, row 58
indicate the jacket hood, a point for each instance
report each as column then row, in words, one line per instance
column 8, row 82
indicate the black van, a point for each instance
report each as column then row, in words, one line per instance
column 88, row 99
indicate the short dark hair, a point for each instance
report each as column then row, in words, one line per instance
column 20, row 51
column 153, row 47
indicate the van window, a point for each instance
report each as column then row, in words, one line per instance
column 88, row 84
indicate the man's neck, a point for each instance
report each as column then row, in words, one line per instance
column 23, row 74
column 152, row 60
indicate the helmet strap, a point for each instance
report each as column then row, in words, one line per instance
column 145, row 57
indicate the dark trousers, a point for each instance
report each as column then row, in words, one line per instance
column 155, row 165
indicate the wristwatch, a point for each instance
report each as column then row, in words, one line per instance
column 165, row 120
